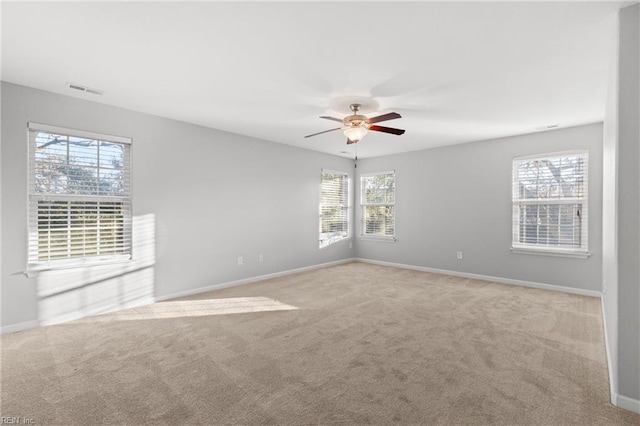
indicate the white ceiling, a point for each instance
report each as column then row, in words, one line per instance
column 457, row 72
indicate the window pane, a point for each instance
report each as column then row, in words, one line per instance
column 379, row 220
column 111, row 155
column 111, row 182
column 76, row 229
column 334, row 208
column 549, row 197
column 91, row 167
column 557, row 225
column 82, row 180
column 80, row 196
column 51, row 148
column 51, row 178
column 83, row 152
column 556, row 177
column 378, row 198
column 379, row 188
column 334, row 219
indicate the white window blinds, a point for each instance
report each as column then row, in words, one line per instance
column 550, row 202
column 377, row 195
column 334, row 207
column 79, row 197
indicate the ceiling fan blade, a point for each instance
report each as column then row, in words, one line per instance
column 325, row 131
column 331, row 118
column 384, row 117
column 387, row 130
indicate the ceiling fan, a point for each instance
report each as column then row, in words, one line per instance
column 356, row 126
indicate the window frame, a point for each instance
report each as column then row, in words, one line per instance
column 76, row 201
column 364, row 205
column 324, row 239
column 581, row 252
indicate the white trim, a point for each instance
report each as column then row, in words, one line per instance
column 554, row 201
column 383, row 238
column 554, row 154
column 363, row 205
column 333, row 172
column 76, row 197
column 75, row 257
column 386, row 172
column 77, row 133
column 21, row 326
column 12, row 328
column 83, row 262
column 612, row 388
column 250, row 280
column 576, row 254
column 617, row 400
column 582, row 201
column 628, row 403
column 324, row 240
column 500, row 280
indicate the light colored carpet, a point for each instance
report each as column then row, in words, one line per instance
column 367, row 345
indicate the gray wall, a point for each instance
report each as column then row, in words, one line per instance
column 201, row 198
column 458, row 198
column 629, row 205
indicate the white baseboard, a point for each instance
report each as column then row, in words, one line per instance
column 612, row 382
column 21, row 326
column 616, row 399
column 628, row 403
column 572, row 290
column 249, row 280
column 12, row 328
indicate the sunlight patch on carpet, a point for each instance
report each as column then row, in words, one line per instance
column 197, row 308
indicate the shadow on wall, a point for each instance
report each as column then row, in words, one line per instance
column 70, row 294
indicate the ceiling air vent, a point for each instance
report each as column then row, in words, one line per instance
column 84, row 89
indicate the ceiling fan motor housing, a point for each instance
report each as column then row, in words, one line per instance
column 355, row 121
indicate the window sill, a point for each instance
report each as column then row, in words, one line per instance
column 329, row 242
column 35, row 268
column 378, row 238
column 550, row 252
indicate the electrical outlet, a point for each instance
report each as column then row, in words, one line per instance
column 260, row 258
column 350, row 244
column 240, row 261
column 459, row 255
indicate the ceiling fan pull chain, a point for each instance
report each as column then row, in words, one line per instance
column 355, row 160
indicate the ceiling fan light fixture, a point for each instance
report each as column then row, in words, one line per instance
column 355, row 134
column 356, row 126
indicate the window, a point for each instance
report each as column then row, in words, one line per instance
column 550, row 203
column 377, row 195
column 79, row 197
column 334, row 207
